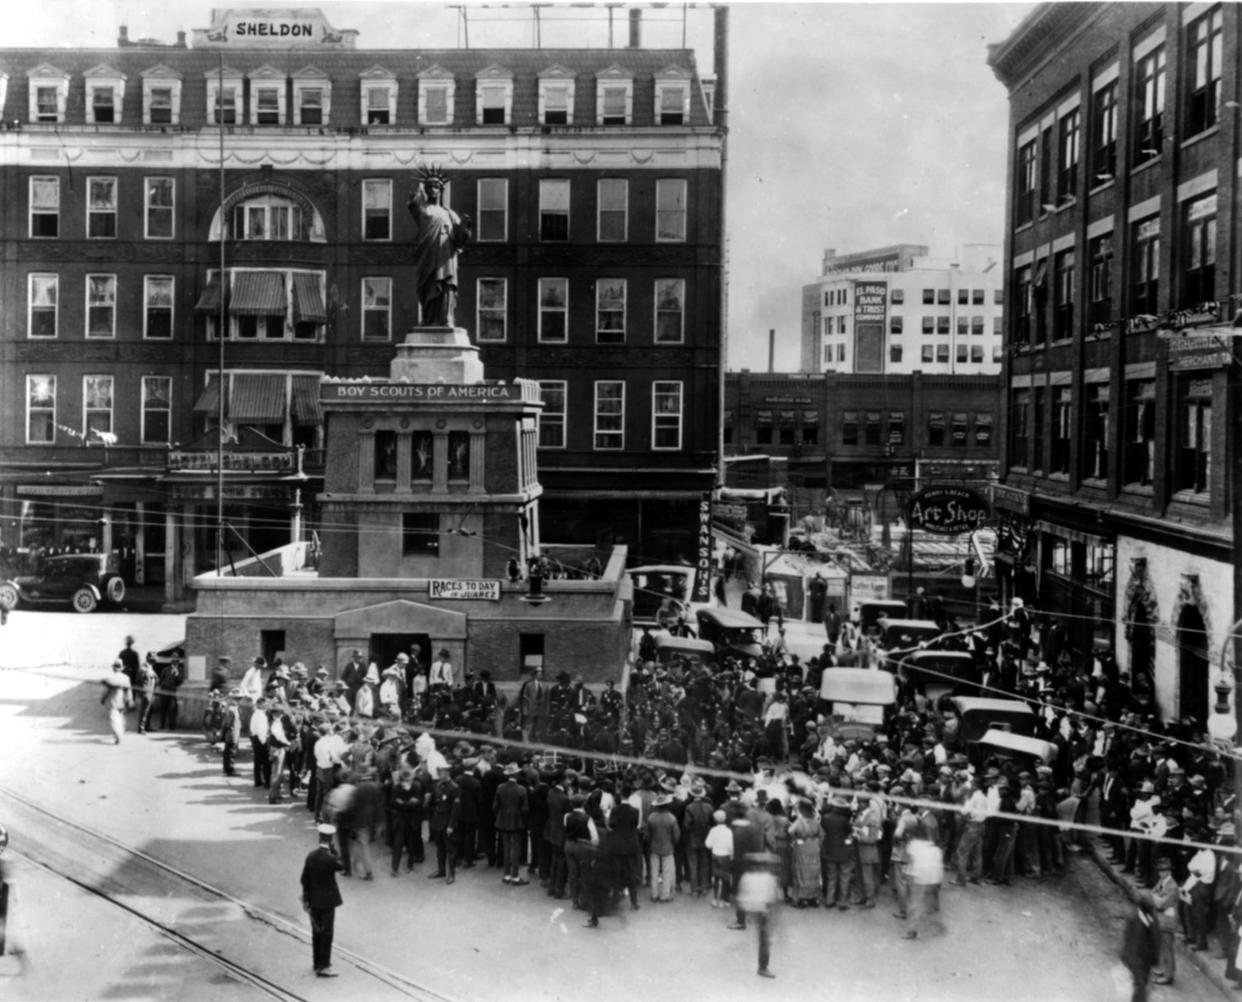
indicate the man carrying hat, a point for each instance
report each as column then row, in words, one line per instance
column 321, row 898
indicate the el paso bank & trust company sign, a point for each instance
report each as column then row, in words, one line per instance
column 365, row 392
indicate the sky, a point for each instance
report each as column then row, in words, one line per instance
column 852, row 125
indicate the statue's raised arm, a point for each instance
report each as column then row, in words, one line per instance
column 439, row 236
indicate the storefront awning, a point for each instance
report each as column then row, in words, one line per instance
column 308, row 305
column 306, row 409
column 208, row 401
column 258, row 294
column 209, row 301
column 258, row 398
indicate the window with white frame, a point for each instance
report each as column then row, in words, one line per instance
column 160, row 196
column 100, row 305
column 96, row 406
column 379, row 100
column 672, row 101
column 157, row 311
column 44, row 295
column 105, row 92
column 161, row 96
column 1204, row 51
column 493, row 210
column 269, row 217
column 609, row 414
column 44, row 206
column 554, row 210
column 614, row 98
column 552, row 419
column 266, row 104
column 556, row 97
column 376, row 309
column 377, row 209
column 610, row 311
column 312, row 98
column 49, row 90
column 670, row 209
column 554, row 310
column 40, row 409
column 223, row 96
column 613, row 195
column 100, row 208
column 493, row 309
column 670, row 310
column 156, row 410
column 493, row 98
column 437, row 91
column 666, row 406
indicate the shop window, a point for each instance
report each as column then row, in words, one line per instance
column 1193, row 468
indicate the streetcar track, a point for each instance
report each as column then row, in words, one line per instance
column 278, row 923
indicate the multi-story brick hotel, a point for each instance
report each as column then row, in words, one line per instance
column 250, row 185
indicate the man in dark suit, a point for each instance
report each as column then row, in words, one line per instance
column 554, row 836
column 627, row 844
column 510, row 808
column 533, row 707
column 442, row 822
column 321, row 898
column 470, row 811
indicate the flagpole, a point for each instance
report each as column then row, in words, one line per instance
column 220, row 336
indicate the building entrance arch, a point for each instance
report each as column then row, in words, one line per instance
column 1193, row 665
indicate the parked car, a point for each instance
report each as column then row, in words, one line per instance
column 84, row 580
column 733, row 632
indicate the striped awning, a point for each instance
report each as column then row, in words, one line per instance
column 258, row 398
column 258, row 294
column 308, row 307
column 209, row 301
column 208, row 401
column 306, row 410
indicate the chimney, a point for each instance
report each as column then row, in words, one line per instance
column 122, row 39
column 771, row 349
column 181, row 39
column 636, row 24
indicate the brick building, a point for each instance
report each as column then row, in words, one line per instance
column 1122, row 260
column 274, row 154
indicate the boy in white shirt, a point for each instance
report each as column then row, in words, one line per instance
column 719, row 843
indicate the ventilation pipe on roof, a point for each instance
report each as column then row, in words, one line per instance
column 636, row 23
column 122, row 38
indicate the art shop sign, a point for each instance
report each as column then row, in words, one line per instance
column 947, row 511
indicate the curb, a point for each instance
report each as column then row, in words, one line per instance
column 1211, row 968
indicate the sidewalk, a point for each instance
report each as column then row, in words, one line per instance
column 1207, row 961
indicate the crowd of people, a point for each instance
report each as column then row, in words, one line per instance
column 699, row 773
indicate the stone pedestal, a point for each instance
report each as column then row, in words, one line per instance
column 437, row 355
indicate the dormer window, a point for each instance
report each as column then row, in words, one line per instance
column 493, row 96
column 436, row 94
column 161, row 96
column 49, row 89
column 267, row 97
column 105, row 93
column 379, row 97
column 224, row 89
column 614, row 97
column 312, row 97
column 672, row 98
column 556, row 96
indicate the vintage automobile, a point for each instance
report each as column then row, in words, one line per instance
column 662, row 593
column 699, row 653
column 862, row 700
column 84, row 580
column 733, row 632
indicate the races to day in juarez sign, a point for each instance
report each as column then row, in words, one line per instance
column 487, row 591
column 947, row 511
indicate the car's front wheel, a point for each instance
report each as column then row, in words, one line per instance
column 84, row 600
column 8, row 596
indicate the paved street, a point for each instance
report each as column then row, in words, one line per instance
column 164, row 795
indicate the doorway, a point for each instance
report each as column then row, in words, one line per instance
column 1142, row 651
column 386, row 646
column 1193, row 667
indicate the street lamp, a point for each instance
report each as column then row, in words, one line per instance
column 1222, row 723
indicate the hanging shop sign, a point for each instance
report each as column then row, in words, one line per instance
column 703, row 579
column 947, row 511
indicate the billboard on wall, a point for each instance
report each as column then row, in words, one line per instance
column 870, row 312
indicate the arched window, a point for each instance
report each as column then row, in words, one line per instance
column 269, row 215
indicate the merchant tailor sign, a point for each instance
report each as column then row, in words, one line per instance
column 947, row 511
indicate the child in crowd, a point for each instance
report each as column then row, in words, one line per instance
column 719, row 843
